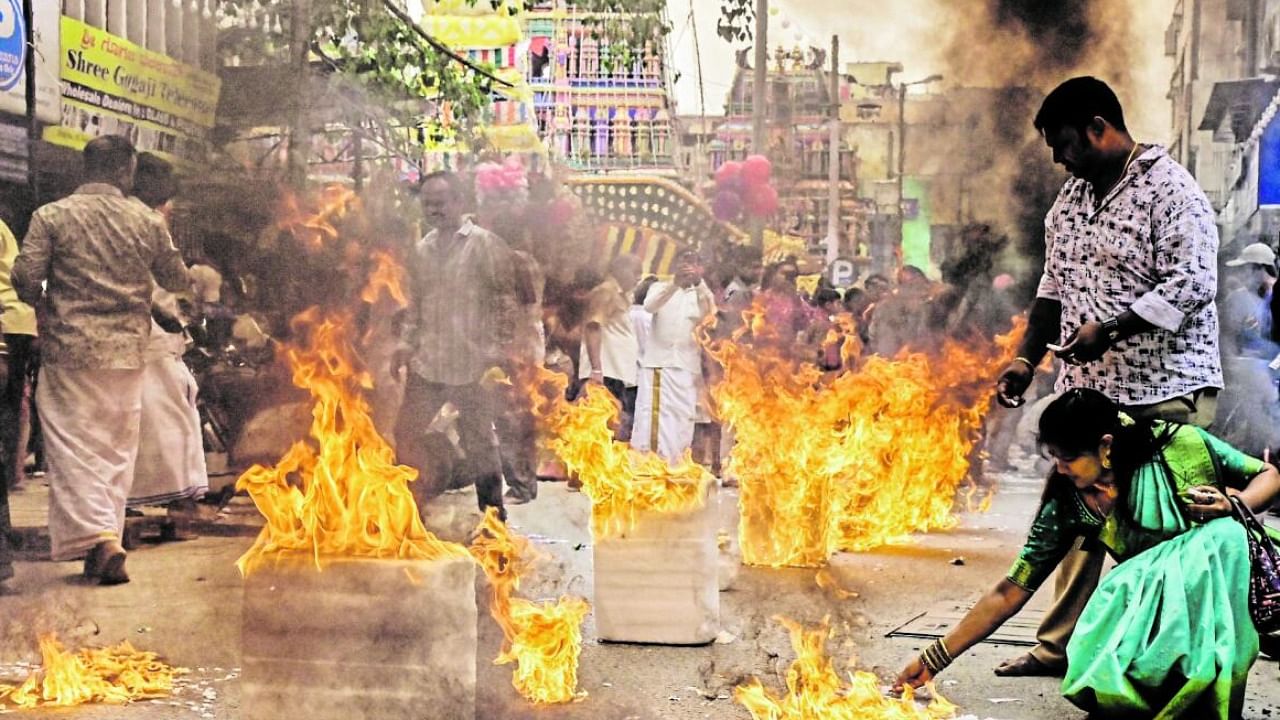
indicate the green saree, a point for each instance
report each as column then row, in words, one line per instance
column 1167, row 634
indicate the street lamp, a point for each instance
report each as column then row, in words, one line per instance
column 902, row 150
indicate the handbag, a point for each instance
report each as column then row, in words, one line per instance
column 1264, row 570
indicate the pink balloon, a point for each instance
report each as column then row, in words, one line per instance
column 562, row 211
column 756, row 170
column 762, row 201
column 727, row 205
column 728, row 173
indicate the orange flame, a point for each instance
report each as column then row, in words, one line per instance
column 345, row 495
column 387, row 275
column 816, row 690
column 114, row 675
column 864, row 460
column 620, row 481
column 542, row 639
column 313, row 227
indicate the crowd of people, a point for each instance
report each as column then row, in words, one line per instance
column 1129, row 306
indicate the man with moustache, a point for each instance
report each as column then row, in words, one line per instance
column 1128, row 289
column 461, row 281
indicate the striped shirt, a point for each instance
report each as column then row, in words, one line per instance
column 1150, row 246
column 462, row 305
column 100, row 255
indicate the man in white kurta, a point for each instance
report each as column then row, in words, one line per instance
column 671, row 367
column 170, row 469
column 170, row 466
column 99, row 253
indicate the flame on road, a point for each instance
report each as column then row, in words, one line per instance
column 114, row 675
column 856, row 461
column 620, row 481
column 816, row 690
column 543, row 639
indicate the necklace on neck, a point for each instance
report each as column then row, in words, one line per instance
column 1128, row 160
column 1099, row 196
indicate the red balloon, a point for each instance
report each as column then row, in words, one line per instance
column 756, row 170
column 762, row 201
column 728, row 173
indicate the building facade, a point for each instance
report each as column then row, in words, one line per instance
column 798, row 113
column 598, row 108
column 1224, row 94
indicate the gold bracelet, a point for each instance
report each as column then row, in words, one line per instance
column 1028, row 362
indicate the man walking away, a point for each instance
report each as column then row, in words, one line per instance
column 170, row 470
column 461, row 281
column 100, row 254
column 1129, row 280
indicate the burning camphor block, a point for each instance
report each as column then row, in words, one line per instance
column 656, row 556
column 542, row 639
column 373, row 639
column 352, row 608
column 862, row 461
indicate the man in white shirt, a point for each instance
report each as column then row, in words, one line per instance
column 671, row 368
column 610, row 353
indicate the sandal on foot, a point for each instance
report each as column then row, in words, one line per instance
column 1028, row 665
column 110, row 564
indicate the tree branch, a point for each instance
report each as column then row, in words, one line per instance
column 439, row 46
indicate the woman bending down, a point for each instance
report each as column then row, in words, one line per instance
column 1167, row 634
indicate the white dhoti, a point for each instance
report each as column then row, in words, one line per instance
column 170, row 449
column 666, row 408
column 90, row 419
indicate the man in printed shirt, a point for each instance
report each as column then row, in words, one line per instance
column 98, row 252
column 1128, row 286
column 461, row 277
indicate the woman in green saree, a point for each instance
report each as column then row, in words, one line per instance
column 1167, row 634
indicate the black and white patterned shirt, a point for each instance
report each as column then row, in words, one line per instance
column 1151, row 246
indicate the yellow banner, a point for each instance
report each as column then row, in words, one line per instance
column 111, row 86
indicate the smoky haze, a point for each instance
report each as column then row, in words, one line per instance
column 1009, row 53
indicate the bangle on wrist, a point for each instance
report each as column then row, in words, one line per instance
column 936, row 657
column 1024, row 361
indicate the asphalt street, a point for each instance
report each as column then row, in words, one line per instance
column 185, row 603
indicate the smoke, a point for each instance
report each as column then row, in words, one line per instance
column 1030, row 46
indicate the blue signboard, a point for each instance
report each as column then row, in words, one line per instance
column 1269, row 164
column 13, row 44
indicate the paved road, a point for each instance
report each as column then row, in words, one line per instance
column 185, row 601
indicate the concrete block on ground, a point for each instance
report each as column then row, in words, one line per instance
column 360, row 640
column 659, row 582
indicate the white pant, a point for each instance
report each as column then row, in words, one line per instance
column 170, row 449
column 666, row 407
column 90, row 419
